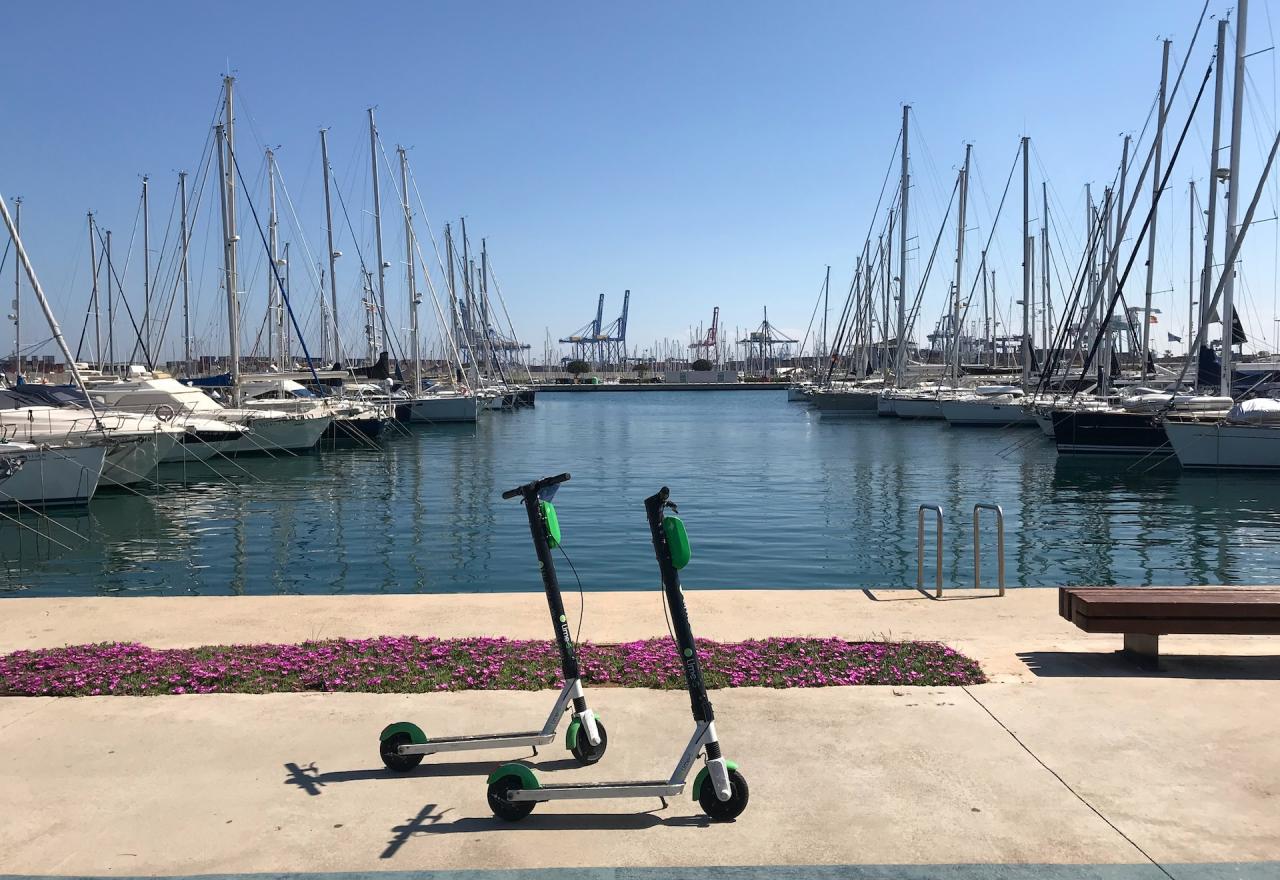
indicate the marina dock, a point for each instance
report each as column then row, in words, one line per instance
column 1069, row 763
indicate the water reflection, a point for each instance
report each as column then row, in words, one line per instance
column 773, row 496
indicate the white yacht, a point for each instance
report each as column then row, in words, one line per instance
column 353, row 417
column 47, row 476
column 266, row 430
column 995, row 406
column 59, row 415
column 1247, row 439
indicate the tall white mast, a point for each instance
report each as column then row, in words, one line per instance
column 1046, row 301
column 1155, row 195
column 17, row 293
column 186, row 283
column 111, row 310
column 900, row 359
column 1191, row 272
column 960, row 221
column 93, row 270
column 1233, row 197
column 273, row 289
column 146, row 273
column 377, row 229
column 1026, row 262
column 414, row 354
column 1206, row 273
column 333, row 255
column 227, row 171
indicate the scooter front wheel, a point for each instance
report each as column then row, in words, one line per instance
column 508, row 810
column 389, row 749
column 725, row 811
column 584, row 751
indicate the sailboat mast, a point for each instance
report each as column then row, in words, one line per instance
column 233, row 280
column 93, row 272
column 986, row 314
column 333, row 254
column 146, row 272
column 1233, row 197
column 453, row 292
column 285, row 335
column 413, row 281
column 1155, row 198
column 1191, row 262
column 184, row 272
column 1206, row 273
column 1026, row 262
column 826, row 291
column 17, row 294
column 955, row 308
column 111, row 310
column 900, row 360
column 273, row 245
column 1046, row 301
column 377, row 227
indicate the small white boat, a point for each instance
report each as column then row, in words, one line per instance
column 444, row 406
column 992, row 406
column 1247, row 439
column 49, row 476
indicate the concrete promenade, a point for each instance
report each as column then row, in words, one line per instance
column 1070, row 763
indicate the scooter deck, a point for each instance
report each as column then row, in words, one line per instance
column 484, row 736
column 579, row 786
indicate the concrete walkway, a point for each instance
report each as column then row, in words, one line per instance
column 1070, row 764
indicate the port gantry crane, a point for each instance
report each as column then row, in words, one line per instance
column 706, row 347
column 759, row 345
column 602, row 345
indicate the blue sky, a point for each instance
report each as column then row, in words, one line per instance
column 698, row 154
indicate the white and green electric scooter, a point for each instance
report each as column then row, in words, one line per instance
column 719, row 788
column 403, row 744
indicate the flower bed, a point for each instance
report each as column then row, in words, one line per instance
column 409, row 664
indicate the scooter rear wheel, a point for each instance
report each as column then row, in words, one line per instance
column 584, row 751
column 392, row 758
column 507, row 810
column 725, row 811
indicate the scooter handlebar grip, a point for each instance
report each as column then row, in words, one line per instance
column 535, row 486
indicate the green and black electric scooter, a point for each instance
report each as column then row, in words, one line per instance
column 719, row 788
column 403, row 744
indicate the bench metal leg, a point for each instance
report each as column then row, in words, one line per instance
column 1143, row 648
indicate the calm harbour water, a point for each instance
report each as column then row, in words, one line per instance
column 772, row 494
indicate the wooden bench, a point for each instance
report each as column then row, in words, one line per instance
column 1143, row 614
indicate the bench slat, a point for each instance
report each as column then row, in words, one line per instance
column 1185, row 610
column 1179, row 626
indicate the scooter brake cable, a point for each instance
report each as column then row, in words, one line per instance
column 582, row 605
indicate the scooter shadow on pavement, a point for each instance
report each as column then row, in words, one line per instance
column 430, row 821
column 310, row 779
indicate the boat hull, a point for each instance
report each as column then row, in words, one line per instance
column 131, row 460
column 846, row 402
column 444, row 408
column 358, row 429
column 50, row 477
column 917, row 407
column 985, row 414
column 1222, row 446
column 1107, row 432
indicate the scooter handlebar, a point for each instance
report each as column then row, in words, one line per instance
column 535, row 487
column 654, row 503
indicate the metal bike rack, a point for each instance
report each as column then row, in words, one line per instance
column 937, row 509
column 977, row 549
